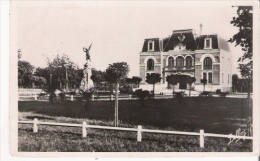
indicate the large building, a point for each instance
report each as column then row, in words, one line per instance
column 184, row 53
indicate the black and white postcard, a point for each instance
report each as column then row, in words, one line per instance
column 134, row 78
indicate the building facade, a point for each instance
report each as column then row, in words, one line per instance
column 184, row 53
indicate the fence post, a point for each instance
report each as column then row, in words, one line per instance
column 92, row 97
column 111, row 96
column 130, row 96
column 35, row 97
column 71, row 97
column 202, row 138
column 139, row 133
column 35, row 125
column 84, row 129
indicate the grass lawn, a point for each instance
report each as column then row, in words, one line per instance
column 214, row 115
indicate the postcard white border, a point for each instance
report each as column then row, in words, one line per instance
column 13, row 91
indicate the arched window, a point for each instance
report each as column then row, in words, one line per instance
column 170, row 62
column 179, row 61
column 150, row 64
column 207, row 63
column 188, row 61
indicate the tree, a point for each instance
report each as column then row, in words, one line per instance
column 130, row 82
column 36, row 80
column 204, row 82
column 110, row 79
column 173, row 80
column 153, row 78
column 190, row 80
column 62, row 66
column 244, row 38
column 142, row 95
column 25, row 70
column 234, row 81
column 244, row 21
column 241, row 84
column 96, row 77
column 136, row 80
column 116, row 72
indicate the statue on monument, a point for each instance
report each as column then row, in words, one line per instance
column 86, row 83
column 86, row 50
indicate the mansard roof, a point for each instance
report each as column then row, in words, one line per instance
column 188, row 40
column 156, row 44
column 186, row 37
column 217, row 42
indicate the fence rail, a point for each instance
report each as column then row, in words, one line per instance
column 73, row 98
column 139, row 130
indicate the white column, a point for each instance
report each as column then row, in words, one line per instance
column 202, row 138
column 84, row 129
column 35, row 125
column 139, row 133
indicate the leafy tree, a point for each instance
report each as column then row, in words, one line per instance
column 97, row 77
column 244, row 21
column 130, row 82
column 110, row 79
column 136, row 80
column 25, row 70
column 173, row 80
column 36, row 80
column 234, row 81
column 153, row 78
column 244, row 36
column 62, row 66
column 114, row 73
column 142, row 95
column 204, row 81
column 190, row 80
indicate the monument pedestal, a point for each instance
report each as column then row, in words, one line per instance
column 86, row 83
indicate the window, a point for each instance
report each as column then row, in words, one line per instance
column 222, row 77
column 207, row 76
column 188, row 61
column 150, row 64
column 204, row 75
column 207, row 43
column 207, row 63
column 210, row 77
column 170, row 62
column 150, row 45
column 179, row 61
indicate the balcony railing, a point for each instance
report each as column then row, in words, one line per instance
column 167, row 68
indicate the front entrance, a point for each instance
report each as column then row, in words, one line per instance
column 180, row 81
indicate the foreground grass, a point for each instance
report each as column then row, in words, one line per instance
column 57, row 139
column 214, row 115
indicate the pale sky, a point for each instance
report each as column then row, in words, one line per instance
column 116, row 29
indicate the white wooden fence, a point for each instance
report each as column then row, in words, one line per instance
column 139, row 130
column 72, row 97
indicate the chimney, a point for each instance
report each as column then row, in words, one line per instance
column 200, row 28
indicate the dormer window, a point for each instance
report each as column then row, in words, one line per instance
column 208, row 43
column 150, row 45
